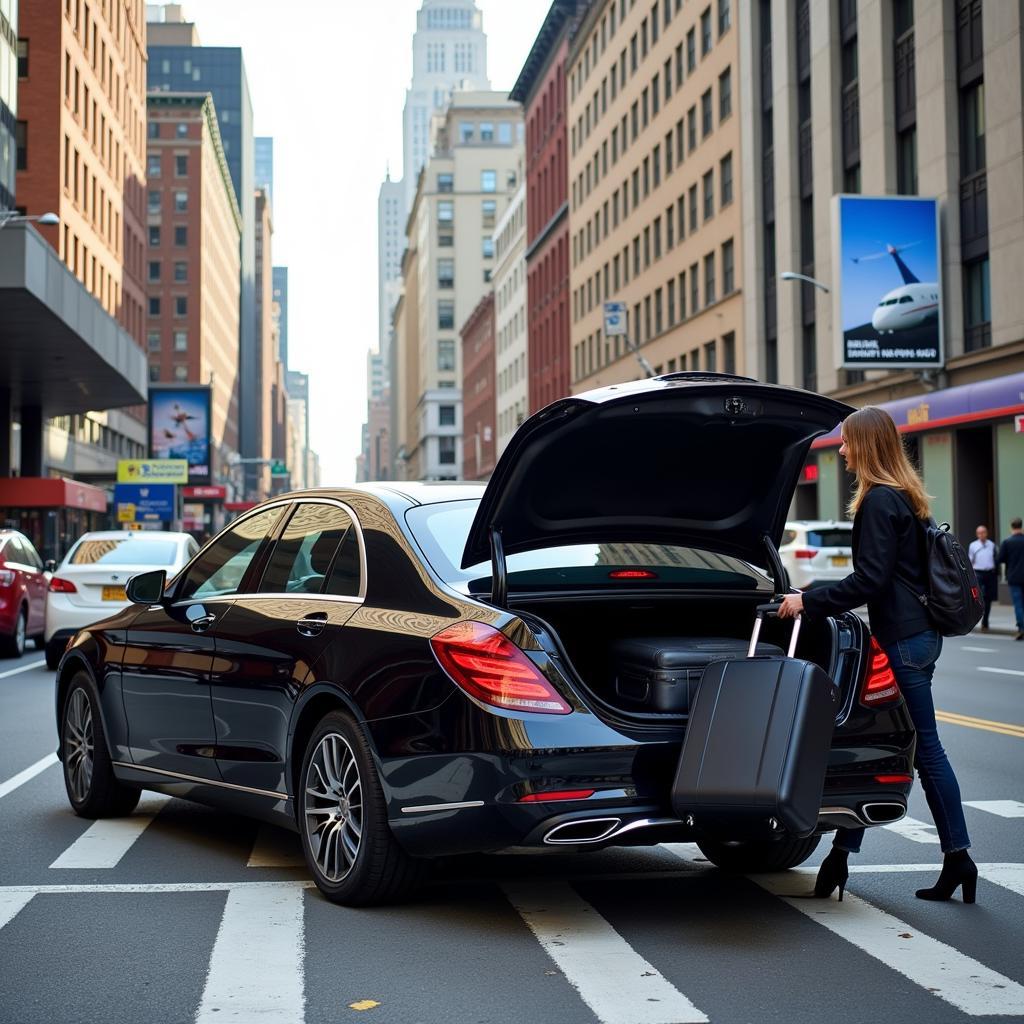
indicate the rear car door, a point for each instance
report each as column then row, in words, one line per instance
column 272, row 634
column 22, row 557
column 169, row 654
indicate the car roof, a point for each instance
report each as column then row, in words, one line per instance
column 413, row 491
column 147, row 534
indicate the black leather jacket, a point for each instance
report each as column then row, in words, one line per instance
column 887, row 541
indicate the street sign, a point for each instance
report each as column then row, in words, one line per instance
column 278, row 468
column 205, row 492
column 144, row 502
column 614, row 318
column 154, row 471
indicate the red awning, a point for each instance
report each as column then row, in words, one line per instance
column 50, row 492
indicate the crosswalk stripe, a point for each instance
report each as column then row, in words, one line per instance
column 1004, row 808
column 256, row 969
column 11, row 902
column 276, row 848
column 1009, row 876
column 610, row 976
column 29, row 773
column 106, row 841
column 914, row 830
column 945, row 972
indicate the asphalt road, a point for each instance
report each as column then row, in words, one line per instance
column 183, row 914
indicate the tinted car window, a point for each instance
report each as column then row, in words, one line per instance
column 31, row 555
column 345, row 573
column 13, row 551
column 830, row 538
column 442, row 528
column 123, row 551
column 304, row 553
column 221, row 566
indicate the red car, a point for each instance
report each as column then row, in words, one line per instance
column 23, row 583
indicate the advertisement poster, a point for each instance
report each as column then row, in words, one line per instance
column 890, row 293
column 179, row 428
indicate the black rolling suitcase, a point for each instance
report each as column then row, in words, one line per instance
column 662, row 673
column 756, row 746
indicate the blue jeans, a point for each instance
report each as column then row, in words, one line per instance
column 913, row 662
column 1017, row 596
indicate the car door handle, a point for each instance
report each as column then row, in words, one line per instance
column 202, row 624
column 312, row 625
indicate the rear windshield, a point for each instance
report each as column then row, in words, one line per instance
column 124, row 551
column 829, row 538
column 441, row 530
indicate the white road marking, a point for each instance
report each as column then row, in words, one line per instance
column 1004, row 808
column 11, row 903
column 688, row 852
column 916, row 831
column 979, row 650
column 610, row 976
column 256, row 969
column 22, row 668
column 25, row 776
column 945, row 972
column 1001, row 671
column 106, row 841
column 1009, row 876
column 147, row 887
column 276, row 848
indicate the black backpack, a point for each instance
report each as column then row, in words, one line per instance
column 953, row 598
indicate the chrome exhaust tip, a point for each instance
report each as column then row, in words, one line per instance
column 883, row 812
column 582, row 831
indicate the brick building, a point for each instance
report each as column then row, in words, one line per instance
column 478, row 391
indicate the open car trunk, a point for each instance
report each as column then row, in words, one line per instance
column 585, row 632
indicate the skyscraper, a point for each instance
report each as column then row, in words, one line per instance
column 449, row 50
column 280, row 286
column 264, row 165
column 390, row 244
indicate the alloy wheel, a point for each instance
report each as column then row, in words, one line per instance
column 79, row 743
column 19, row 636
column 333, row 807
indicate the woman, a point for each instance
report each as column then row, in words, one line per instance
column 887, row 550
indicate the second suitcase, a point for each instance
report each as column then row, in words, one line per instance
column 662, row 673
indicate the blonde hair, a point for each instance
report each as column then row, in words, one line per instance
column 879, row 458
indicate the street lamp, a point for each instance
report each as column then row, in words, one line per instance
column 789, row 275
column 11, row 217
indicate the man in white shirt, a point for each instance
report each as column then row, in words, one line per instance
column 982, row 553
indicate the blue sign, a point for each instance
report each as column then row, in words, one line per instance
column 151, row 502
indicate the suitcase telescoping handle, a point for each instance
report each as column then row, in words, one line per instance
column 771, row 609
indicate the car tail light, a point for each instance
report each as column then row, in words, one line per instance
column 805, row 552
column 7, row 577
column 556, row 794
column 488, row 666
column 880, row 685
column 894, row 780
column 632, row 574
column 59, row 586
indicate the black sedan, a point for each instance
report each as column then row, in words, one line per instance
column 403, row 671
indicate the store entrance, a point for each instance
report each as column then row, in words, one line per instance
column 974, row 498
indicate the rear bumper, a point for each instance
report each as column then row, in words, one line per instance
column 64, row 617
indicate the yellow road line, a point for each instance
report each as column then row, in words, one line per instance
column 1004, row 728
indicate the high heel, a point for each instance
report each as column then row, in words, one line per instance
column 957, row 870
column 833, row 873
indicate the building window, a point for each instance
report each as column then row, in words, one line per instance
column 505, row 133
column 977, row 306
column 445, row 240
column 180, row 202
column 694, row 289
column 487, row 246
column 22, row 58
column 488, row 211
column 705, row 32
column 446, row 349
column 153, row 165
column 154, row 270
column 153, row 341
column 154, row 305
column 693, row 208
column 445, row 211
column 465, row 131
column 708, row 182
column 154, row 234
column 180, row 165
column 21, row 144
column 706, row 118
column 180, row 305
column 709, row 279
column 728, row 267
column 446, row 273
column 182, row 128
column 724, row 17
column 710, row 358
column 445, row 320
column 446, row 415
column 153, row 205
column 486, row 131
column 691, row 51
column 153, row 130
column 446, row 451
column 180, row 372
column 181, row 341
column 180, row 235
column 906, row 162
column 154, row 373
column 691, row 129
column 445, row 182
column 972, row 129
column 180, row 271
column 488, row 181
column 725, row 180
column 724, row 94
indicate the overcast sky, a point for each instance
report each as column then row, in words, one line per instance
column 328, row 81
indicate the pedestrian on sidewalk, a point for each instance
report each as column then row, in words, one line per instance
column 888, row 509
column 982, row 554
column 1011, row 554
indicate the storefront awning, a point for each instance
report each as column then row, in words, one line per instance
column 61, row 351
column 50, row 492
column 967, row 403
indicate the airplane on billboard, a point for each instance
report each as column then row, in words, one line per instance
column 912, row 304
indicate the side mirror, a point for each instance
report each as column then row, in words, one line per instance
column 50, row 565
column 147, row 587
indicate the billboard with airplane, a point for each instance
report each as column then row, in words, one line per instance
column 889, row 293
column 179, row 427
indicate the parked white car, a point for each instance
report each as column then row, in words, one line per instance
column 816, row 551
column 89, row 583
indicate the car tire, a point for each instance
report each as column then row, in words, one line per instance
column 54, row 652
column 751, row 857
column 40, row 642
column 93, row 789
column 13, row 646
column 342, row 816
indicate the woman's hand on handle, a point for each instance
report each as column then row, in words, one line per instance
column 792, row 605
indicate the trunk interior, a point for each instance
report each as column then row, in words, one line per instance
column 588, row 628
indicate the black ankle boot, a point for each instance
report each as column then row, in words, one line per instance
column 957, row 869
column 833, row 872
